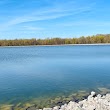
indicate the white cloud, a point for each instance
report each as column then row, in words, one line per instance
column 85, row 23
column 32, row 28
column 56, row 10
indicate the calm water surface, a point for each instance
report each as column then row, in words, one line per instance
column 52, row 70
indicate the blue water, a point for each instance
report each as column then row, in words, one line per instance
column 51, row 70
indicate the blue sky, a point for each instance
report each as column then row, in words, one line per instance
column 53, row 18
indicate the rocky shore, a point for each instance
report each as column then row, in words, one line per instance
column 93, row 102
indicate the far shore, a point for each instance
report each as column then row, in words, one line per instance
column 98, row 44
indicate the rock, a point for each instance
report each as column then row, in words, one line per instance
column 31, row 108
column 56, row 108
column 92, row 93
column 47, row 108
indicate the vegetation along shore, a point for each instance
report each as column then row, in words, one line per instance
column 95, row 39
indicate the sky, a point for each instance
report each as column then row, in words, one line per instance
column 53, row 18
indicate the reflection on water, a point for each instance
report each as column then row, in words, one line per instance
column 35, row 72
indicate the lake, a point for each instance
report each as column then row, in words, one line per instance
column 44, row 71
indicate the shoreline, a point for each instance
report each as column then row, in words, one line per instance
column 75, row 100
column 92, row 102
column 98, row 44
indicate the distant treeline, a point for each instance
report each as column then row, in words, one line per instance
column 100, row 38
